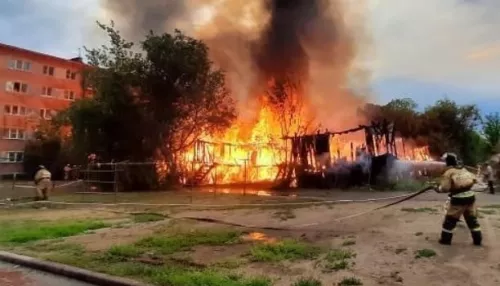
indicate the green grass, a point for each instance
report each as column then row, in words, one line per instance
column 419, row 210
column 28, row 231
column 119, row 260
column 339, row 254
column 425, row 253
column 336, row 265
column 231, row 263
column 307, row 282
column 147, row 217
column 350, row 281
column 284, row 250
column 122, row 253
column 179, row 242
column 182, row 277
column 172, row 275
column 338, row 259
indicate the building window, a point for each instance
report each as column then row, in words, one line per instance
column 20, row 65
column 12, row 133
column 48, row 70
column 13, row 156
column 15, row 110
column 70, row 74
column 47, row 91
column 69, row 95
column 45, row 113
column 16, row 86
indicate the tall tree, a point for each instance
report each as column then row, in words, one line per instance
column 185, row 96
column 404, row 115
column 491, row 131
column 450, row 127
column 151, row 101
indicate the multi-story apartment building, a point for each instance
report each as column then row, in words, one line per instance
column 33, row 87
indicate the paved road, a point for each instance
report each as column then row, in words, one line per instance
column 12, row 275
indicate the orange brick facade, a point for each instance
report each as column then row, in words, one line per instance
column 33, row 87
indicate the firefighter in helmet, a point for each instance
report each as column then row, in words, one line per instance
column 43, row 183
column 458, row 182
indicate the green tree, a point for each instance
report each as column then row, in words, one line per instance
column 403, row 113
column 151, row 101
column 186, row 97
column 491, row 131
column 449, row 127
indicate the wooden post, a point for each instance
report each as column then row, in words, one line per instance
column 404, row 149
column 352, row 152
column 115, row 185
column 245, row 177
column 192, row 182
column 215, row 180
column 195, row 151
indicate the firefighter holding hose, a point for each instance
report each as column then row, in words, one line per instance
column 458, row 182
column 43, row 183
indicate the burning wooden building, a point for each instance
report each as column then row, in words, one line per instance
column 316, row 159
column 323, row 159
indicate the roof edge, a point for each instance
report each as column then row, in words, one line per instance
column 75, row 60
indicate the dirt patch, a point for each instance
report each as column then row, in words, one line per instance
column 210, row 255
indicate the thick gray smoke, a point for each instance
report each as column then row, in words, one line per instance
column 137, row 17
column 255, row 41
column 294, row 27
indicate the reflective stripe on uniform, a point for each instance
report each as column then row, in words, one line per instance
column 464, row 194
column 476, row 229
column 447, row 230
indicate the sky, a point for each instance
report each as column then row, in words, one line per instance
column 425, row 49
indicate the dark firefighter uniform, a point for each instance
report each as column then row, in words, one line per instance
column 458, row 182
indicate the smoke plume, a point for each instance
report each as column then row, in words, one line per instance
column 137, row 17
column 315, row 41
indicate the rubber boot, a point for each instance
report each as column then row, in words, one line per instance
column 477, row 237
column 446, row 238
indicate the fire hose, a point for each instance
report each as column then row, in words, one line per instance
column 301, row 227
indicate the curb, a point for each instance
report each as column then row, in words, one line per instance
column 67, row 271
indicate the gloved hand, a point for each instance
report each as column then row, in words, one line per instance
column 437, row 188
